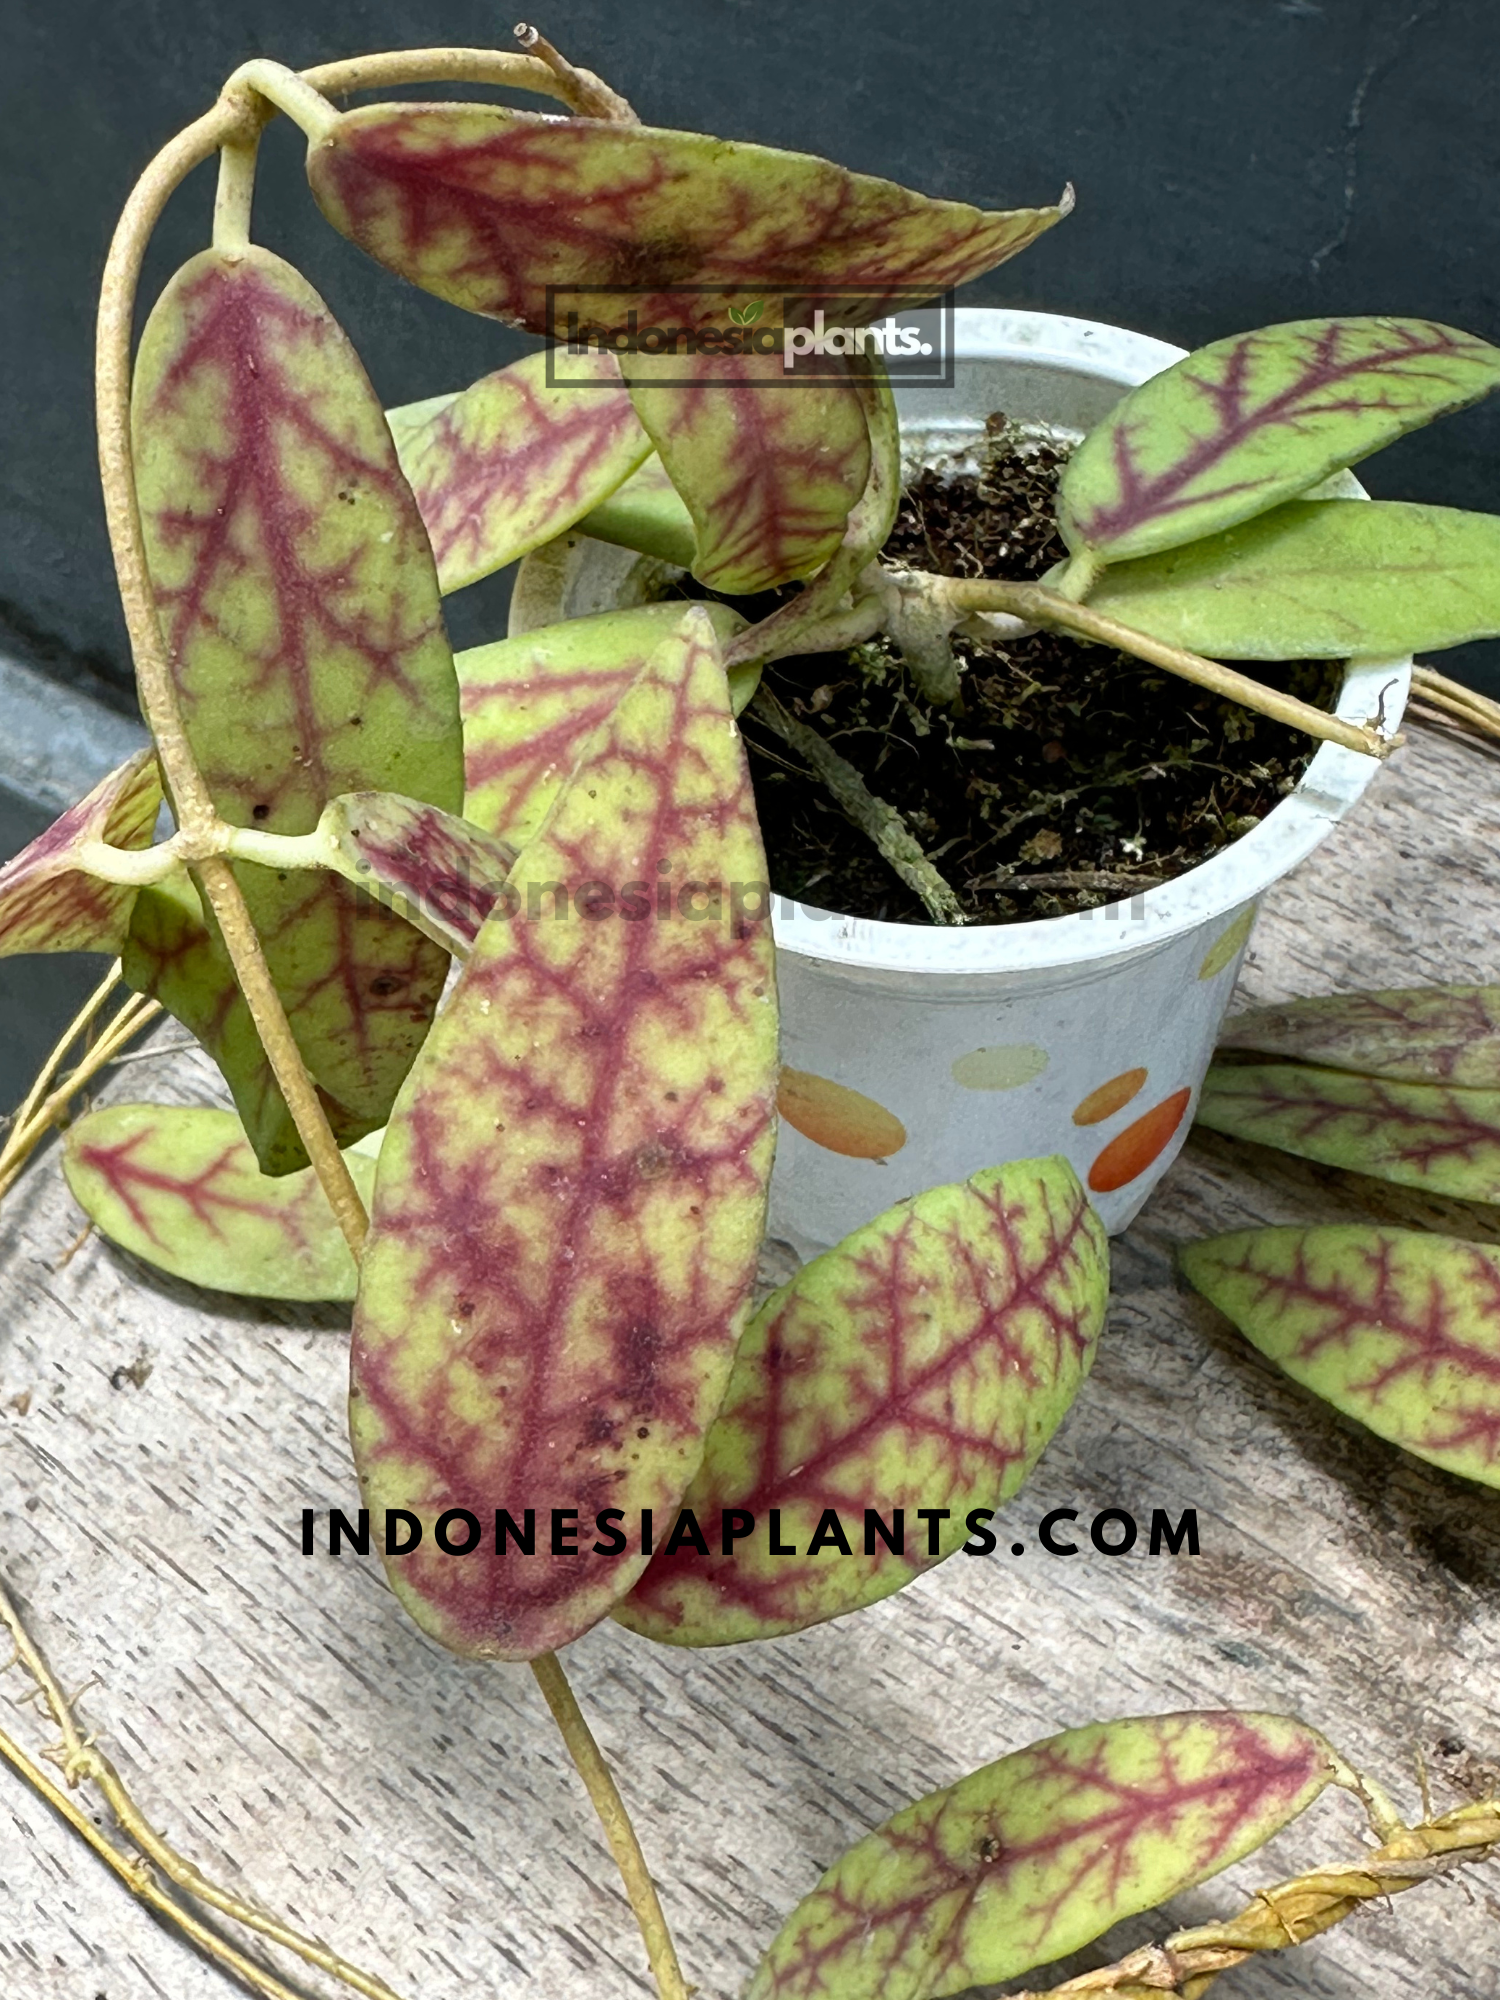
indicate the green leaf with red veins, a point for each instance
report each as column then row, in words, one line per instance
column 514, row 461
column 1318, row 579
column 1413, row 1034
column 47, row 901
column 572, row 1189
column 179, row 1187
column 1397, row 1328
column 1031, row 1857
column 172, row 955
column 1246, row 423
column 1421, row 1135
column 433, row 869
column 408, row 419
column 489, row 208
column 297, row 595
column 646, row 514
column 923, row 1363
column 769, row 470
column 531, row 705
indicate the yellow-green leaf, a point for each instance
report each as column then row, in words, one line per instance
column 1396, row 1328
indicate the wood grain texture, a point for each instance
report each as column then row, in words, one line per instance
column 293, row 1732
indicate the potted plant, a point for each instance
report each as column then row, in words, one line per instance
column 561, row 1405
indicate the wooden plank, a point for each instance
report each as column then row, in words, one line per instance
column 292, row 1732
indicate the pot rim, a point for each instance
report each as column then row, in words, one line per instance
column 1332, row 783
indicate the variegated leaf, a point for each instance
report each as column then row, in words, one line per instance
column 1395, row 1327
column 572, row 1189
column 1248, row 422
column 768, row 470
column 297, row 596
column 531, row 704
column 1319, row 578
column 647, row 514
column 921, row 1364
column 408, row 419
column 1413, row 1034
column 172, row 955
column 433, row 869
column 489, row 207
column 47, row 901
column 1029, row 1858
column 1422, row 1135
column 514, row 461
column 179, row 1187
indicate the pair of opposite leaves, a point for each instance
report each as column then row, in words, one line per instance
column 1397, row 1328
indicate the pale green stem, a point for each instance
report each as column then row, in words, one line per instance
column 283, row 87
column 137, row 868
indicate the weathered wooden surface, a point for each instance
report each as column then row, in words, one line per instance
column 293, row 1732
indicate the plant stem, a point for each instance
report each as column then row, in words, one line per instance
column 588, row 96
column 1457, row 703
column 1291, row 1912
column 870, row 814
column 235, row 194
column 82, row 1762
column 618, row 1831
column 39, row 1113
column 1041, row 606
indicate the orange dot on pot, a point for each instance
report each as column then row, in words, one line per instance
column 1109, row 1097
column 1133, row 1150
column 838, row 1118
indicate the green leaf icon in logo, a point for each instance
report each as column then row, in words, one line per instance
column 747, row 315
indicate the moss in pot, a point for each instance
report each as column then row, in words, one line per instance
column 552, row 1280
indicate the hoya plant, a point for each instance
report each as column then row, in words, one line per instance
column 482, row 946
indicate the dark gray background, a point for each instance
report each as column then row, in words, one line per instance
column 1236, row 163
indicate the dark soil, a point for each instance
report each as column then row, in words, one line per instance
column 1073, row 776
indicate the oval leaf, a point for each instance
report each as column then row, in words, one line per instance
column 647, row 514
column 1394, row 1327
column 1413, row 1034
column 572, row 1190
column 516, row 460
column 179, row 1187
column 532, row 703
column 47, row 901
column 1248, row 422
column 1033, row 1856
column 1420, row 1135
column 769, row 471
column 922, row 1363
column 489, row 208
column 433, row 869
column 298, row 600
column 1319, row 579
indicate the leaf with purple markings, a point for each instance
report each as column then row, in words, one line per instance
column 1413, row 1034
column 48, row 899
column 1031, row 1857
column 433, row 869
column 532, row 703
column 923, row 1363
column 489, row 208
column 1395, row 1327
column 647, row 514
column 572, row 1188
column 1423, row 1135
column 515, row 461
column 769, row 471
column 297, row 596
column 1319, row 579
column 1246, row 423
column 179, row 1187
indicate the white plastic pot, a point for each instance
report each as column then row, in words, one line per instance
column 1087, row 1035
